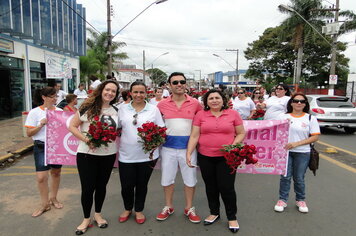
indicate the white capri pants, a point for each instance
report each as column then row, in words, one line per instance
column 171, row 159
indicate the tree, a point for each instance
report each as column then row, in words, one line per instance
column 89, row 64
column 98, row 43
column 157, row 75
column 274, row 54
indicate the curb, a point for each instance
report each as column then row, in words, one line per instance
column 16, row 153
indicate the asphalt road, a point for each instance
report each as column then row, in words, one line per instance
column 331, row 198
column 337, row 137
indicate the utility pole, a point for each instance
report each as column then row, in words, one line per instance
column 109, row 37
column 144, row 66
column 237, row 64
column 333, row 50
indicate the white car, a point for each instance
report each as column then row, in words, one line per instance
column 333, row 111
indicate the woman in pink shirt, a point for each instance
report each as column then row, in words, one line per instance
column 215, row 126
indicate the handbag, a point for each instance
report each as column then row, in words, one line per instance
column 314, row 156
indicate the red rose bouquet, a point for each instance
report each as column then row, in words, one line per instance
column 236, row 154
column 258, row 114
column 100, row 133
column 152, row 136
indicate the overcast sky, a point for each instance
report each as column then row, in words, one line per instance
column 192, row 30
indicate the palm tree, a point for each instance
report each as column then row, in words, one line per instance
column 98, row 44
column 89, row 64
column 301, row 29
column 350, row 22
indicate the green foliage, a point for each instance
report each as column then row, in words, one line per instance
column 157, row 76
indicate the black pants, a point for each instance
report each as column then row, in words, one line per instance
column 94, row 172
column 134, row 179
column 218, row 181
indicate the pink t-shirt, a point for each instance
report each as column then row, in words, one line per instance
column 216, row 131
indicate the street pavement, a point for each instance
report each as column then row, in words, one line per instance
column 331, row 198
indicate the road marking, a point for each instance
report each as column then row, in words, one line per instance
column 338, row 163
column 337, row 148
column 34, row 173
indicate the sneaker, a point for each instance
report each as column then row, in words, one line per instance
column 165, row 213
column 192, row 216
column 279, row 207
column 302, row 206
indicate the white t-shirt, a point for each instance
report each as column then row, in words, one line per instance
column 33, row 120
column 60, row 96
column 81, row 94
column 244, row 107
column 108, row 115
column 299, row 129
column 95, row 84
column 130, row 150
column 153, row 101
column 275, row 106
column 165, row 93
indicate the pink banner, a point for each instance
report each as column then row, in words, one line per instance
column 60, row 146
column 269, row 137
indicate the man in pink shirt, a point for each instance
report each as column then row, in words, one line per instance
column 178, row 111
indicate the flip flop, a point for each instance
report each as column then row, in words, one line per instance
column 41, row 211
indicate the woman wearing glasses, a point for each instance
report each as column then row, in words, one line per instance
column 95, row 164
column 35, row 128
column 276, row 105
column 135, row 167
column 303, row 130
column 256, row 95
column 244, row 105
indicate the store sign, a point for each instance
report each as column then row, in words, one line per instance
column 332, row 79
column 57, row 67
column 6, row 46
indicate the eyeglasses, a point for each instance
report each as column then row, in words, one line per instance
column 258, row 93
column 176, row 82
column 299, row 101
column 134, row 122
column 279, row 88
column 240, row 92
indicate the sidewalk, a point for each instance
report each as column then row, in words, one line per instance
column 12, row 142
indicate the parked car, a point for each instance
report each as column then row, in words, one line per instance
column 333, row 111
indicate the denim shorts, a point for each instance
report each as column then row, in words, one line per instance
column 38, row 153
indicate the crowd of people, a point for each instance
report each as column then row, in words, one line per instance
column 191, row 125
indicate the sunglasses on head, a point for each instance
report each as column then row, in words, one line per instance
column 299, row 101
column 134, row 122
column 176, row 82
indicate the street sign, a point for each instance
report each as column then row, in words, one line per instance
column 332, row 79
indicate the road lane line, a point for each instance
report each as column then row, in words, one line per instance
column 337, row 148
column 338, row 163
column 34, row 173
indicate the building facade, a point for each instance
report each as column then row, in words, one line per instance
column 40, row 44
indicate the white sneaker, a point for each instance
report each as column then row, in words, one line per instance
column 302, row 206
column 279, row 207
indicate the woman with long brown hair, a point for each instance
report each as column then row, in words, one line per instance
column 95, row 164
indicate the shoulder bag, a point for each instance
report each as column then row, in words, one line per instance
column 314, row 156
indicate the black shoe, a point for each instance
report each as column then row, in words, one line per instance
column 82, row 231
column 210, row 222
column 234, row 229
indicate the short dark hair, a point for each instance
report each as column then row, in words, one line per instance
column 137, row 82
column 93, row 78
column 176, row 74
column 289, row 104
column 162, row 84
column 157, row 88
column 70, row 98
column 206, row 95
column 48, row 91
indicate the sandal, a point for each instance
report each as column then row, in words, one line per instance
column 40, row 211
column 54, row 202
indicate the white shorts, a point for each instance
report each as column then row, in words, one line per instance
column 171, row 159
